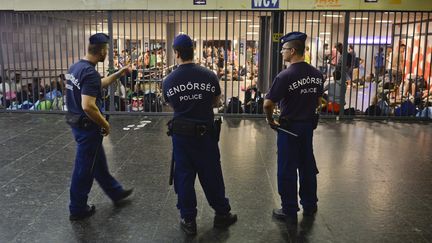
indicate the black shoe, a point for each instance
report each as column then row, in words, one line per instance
column 124, row 195
column 189, row 227
column 288, row 218
column 279, row 214
column 310, row 211
column 223, row 221
column 86, row 214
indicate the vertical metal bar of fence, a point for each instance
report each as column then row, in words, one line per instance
column 425, row 79
column 311, row 35
column 111, row 61
column 7, row 78
column 235, row 73
column 411, row 59
column 429, row 83
column 349, row 70
column 387, row 97
column 150, row 67
column 253, row 54
column 102, row 21
column 233, row 57
column 31, row 57
column 21, row 43
column 332, row 64
column 200, row 39
column 124, row 59
column 344, row 59
column 360, row 81
column 245, row 55
column 52, row 84
column 43, row 24
column 2, row 70
column 402, row 59
column 226, row 62
column 371, row 81
column 390, row 57
column 318, row 41
column 55, row 79
column 116, row 65
column 15, row 89
column 417, row 102
column 157, row 70
column 129, row 56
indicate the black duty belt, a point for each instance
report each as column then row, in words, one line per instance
column 285, row 122
column 189, row 127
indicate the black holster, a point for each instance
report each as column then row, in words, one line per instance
column 284, row 123
column 315, row 120
column 79, row 121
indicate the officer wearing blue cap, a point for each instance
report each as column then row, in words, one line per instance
column 193, row 91
column 84, row 103
column 297, row 90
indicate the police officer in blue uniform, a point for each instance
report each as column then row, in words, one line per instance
column 193, row 91
column 297, row 90
column 84, row 103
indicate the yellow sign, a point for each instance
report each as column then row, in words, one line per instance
column 276, row 37
column 327, row 4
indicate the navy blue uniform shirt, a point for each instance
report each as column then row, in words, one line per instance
column 82, row 78
column 190, row 90
column 297, row 89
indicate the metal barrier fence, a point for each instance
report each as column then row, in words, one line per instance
column 376, row 64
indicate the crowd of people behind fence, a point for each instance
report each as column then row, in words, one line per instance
column 399, row 92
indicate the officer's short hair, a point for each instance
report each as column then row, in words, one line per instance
column 299, row 46
column 186, row 53
column 95, row 49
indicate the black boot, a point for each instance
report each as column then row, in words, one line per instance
column 290, row 219
column 223, row 221
column 124, row 195
column 310, row 211
column 189, row 227
column 86, row 214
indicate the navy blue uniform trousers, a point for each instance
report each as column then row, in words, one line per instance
column 192, row 156
column 90, row 163
column 296, row 153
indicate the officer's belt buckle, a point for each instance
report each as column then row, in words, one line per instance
column 201, row 129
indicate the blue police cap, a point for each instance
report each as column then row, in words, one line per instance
column 293, row 36
column 99, row 38
column 182, row 40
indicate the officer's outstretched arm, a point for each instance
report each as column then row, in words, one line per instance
column 88, row 104
column 113, row 77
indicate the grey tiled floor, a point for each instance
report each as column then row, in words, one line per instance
column 375, row 184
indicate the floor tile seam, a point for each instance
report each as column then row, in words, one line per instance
column 165, row 203
column 38, row 216
column 34, row 150
column 35, row 165
column 21, row 133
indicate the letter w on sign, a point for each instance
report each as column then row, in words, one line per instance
column 265, row 3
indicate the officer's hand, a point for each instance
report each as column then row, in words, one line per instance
column 273, row 123
column 106, row 130
column 126, row 69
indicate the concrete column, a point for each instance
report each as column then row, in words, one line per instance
column 172, row 30
column 264, row 64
